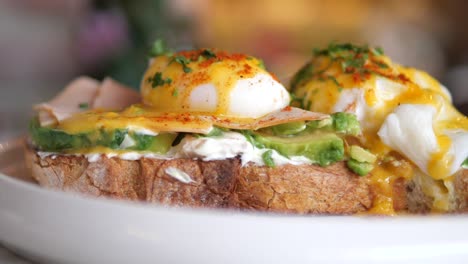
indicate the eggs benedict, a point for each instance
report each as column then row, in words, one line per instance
column 407, row 117
column 209, row 128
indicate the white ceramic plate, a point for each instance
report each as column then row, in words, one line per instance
column 57, row 227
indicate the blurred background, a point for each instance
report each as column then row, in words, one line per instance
column 46, row 43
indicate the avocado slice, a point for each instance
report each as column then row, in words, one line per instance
column 340, row 122
column 359, row 154
column 289, row 128
column 50, row 139
column 361, row 160
column 360, row 168
column 323, row 148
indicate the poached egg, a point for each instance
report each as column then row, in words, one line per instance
column 400, row 109
column 213, row 82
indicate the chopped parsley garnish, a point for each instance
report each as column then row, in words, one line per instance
column 83, row 105
column 182, row 61
column 381, row 64
column 266, row 156
column 157, row 80
column 334, row 80
column 296, row 99
column 303, row 74
column 175, row 93
column 353, row 59
column 159, row 48
column 261, row 64
column 208, row 54
column 377, row 51
column 340, row 50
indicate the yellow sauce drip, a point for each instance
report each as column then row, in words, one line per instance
column 142, row 117
column 167, row 102
column 223, row 72
column 441, row 161
column 412, row 87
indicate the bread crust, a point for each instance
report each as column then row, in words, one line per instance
column 420, row 202
column 303, row 189
column 216, row 184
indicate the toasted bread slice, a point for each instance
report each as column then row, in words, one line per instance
column 220, row 184
column 419, row 201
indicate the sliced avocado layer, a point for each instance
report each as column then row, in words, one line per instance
column 361, row 155
column 49, row 139
column 360, row 168
column 320, row 141
column 341, row 123
column 361, row 161
column 322, row 148
column 289, row 128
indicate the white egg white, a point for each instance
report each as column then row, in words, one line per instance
column 250, row 97
column 409, row 131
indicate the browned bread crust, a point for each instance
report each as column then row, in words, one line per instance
column 220, row 184
column 461, row 190
column 303, row 189
column 419, row 202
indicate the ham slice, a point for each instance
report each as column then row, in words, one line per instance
column 285, row 115
column 82, row 94
column 110, row 95
column 157, row 122
column 115, row 96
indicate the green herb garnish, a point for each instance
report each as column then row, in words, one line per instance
column 208, row 54
column 352, row 58
column 182, row 61
column 465, row 164
column 377, row 51
column 296, row 99
column 381, row 64
column 175, row 93
column 303, row 74
column 334, row 80
column 261, row 64
column 266, row 156
column 159, row 48
column 157, row 80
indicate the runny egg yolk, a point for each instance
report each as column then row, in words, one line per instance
column 373, row 88
column 221, row 84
